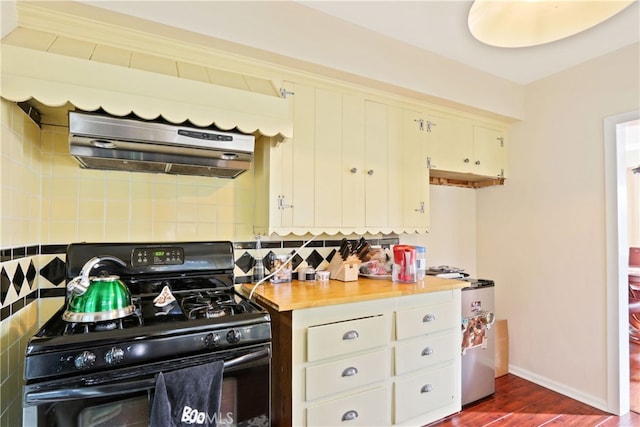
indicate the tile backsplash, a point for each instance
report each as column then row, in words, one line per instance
column 89, row 205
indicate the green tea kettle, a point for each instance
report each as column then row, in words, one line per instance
column 98, row 298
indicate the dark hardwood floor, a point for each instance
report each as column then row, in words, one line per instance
column 520, row 403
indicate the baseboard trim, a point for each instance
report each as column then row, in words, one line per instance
column 571, row 392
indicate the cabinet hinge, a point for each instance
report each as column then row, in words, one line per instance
column 501, row 174
column 282, row 204
column 501, row 139
column 429, row 124
column 428, row 162
column 284, row 93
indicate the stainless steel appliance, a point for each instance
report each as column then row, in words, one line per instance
column 99, row 141
column 102, row 370
column 478, row 370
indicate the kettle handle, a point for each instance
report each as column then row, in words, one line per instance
column 79, row 285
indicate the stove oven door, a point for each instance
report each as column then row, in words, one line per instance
column 123, row 397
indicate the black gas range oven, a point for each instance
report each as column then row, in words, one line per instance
column 93, row 364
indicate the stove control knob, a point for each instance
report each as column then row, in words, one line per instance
column 114, row 356
column 233, row 336
column 84, row 360
column 212, row 340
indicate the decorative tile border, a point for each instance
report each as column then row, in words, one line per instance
column 21, row 266
column 22, row 280
column 317, row 254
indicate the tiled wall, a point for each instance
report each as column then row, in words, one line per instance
column 19, row 263
column 107, row 206
column 47, row 201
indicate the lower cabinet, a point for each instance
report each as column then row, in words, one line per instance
column 428, row 389
column 367, row 408
column 392, row 361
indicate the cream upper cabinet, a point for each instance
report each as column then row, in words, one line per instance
column 303, row 146
column 299, row 180
column 273, row 174
column 361, row 164
column 489, row 152
column 327, row 166
column 450, row 142
column 375, row 167
column 353, row 162
column 397, row 176
column 415, row 173
column 462, row 146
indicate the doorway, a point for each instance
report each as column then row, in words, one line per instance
column 617, row 128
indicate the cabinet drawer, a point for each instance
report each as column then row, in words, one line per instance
column 342, row 375
column 424, row 351
column 426, row 319
column 363, row 409
column 418, row 394
column 339, row 338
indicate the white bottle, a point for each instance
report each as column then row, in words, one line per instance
column 421, row 262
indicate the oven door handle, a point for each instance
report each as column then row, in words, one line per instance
column 50, row 396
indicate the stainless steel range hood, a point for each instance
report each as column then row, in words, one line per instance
column 114, row 143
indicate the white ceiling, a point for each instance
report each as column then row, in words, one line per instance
column 441, row 27
column 435, row 26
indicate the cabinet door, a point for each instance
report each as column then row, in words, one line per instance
column 345, row 374
column 328, row 159
column 489, row 152
column 418, row 394
column 303, row 153
column 281, row 212
column 376, row 191
column 415, row 173
column 424, row 351
column 411, row 322
column 353, row 193
column 340, row 338
column 272, row 175
column 368, row 408
column 450, row 143
column 396, row 187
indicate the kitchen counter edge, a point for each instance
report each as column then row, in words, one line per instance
column 302, row 294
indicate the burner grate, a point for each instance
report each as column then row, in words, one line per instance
column 74, row 328
column 211, row 304
column 133, row 319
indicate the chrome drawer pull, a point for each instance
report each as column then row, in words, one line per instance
column 426, row 388
column 349, row 372
column 428, row 318
column 350, row 415
column 351, row 335
column 428, row 351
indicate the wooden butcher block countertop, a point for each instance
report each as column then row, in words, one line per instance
column 301, row 294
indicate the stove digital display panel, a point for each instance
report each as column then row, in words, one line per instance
column 157, row 256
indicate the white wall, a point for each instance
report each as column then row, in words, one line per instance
column 452, row 236
column 542, row 235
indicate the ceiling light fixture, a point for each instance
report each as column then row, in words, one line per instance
column 525, row 23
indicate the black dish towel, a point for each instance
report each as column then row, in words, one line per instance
column 188, row 397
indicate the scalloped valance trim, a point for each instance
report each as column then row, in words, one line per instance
column 55, row 79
